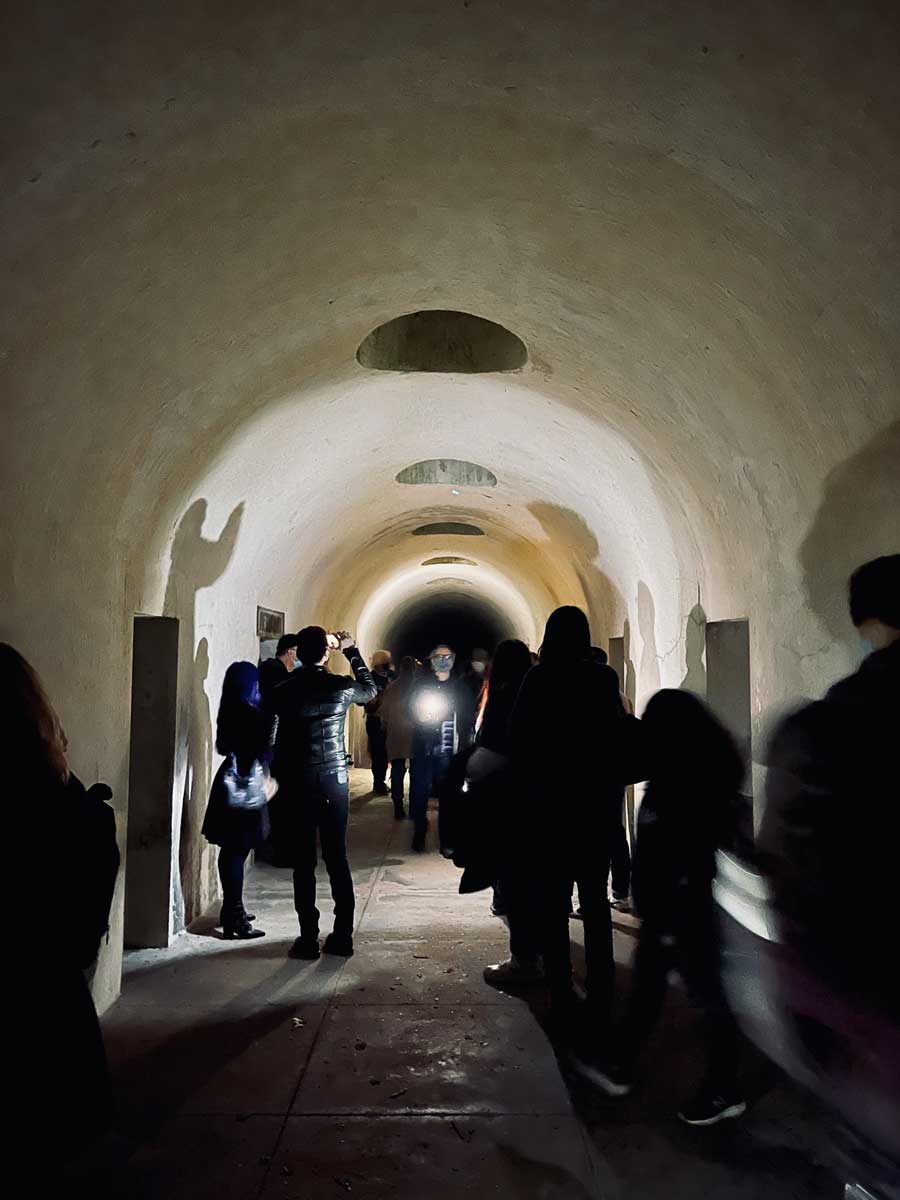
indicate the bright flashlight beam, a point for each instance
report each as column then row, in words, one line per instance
column 431, row 706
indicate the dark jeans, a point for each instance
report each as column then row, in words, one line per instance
column 695, row 957
column 427, row 771
column 590, row 873
column 231, row 874
column 620, row 858
column 398, row 776
column 377, row 750
column 321, row 802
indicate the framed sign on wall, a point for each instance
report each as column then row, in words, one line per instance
column 269, row 623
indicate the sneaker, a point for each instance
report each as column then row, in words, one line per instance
column 305, row 948
column 513, row 972
column 620, row 903
column 340, row 944
column 611, row 1079
column 710, row 1108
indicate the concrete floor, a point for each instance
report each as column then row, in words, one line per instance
column 399, row 1073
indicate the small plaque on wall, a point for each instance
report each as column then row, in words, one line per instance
column 269, row 624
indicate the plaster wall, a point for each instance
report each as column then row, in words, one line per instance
column 687, row 213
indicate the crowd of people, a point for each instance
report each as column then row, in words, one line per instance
column 529, row 757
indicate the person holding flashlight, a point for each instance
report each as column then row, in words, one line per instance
column 438, row 708
column 310, row 765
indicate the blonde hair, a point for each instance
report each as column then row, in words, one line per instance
column 35, row 735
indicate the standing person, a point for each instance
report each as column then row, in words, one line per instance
column 439, row 707
column 311, row 767
column 569, row 702
column 398, row 729
column 242, row 737
column 273, row 671
column 57, row 1029
column 383, row 673
column 831, row 815
column 620, row 853
column 694, row 779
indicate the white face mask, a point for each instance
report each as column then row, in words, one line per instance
column 478, row 668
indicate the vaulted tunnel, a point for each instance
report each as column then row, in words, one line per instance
column 695, row 254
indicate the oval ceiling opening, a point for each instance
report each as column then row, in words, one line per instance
column 455, row 528
column 442, row 471
column 446, row 560
column 442, row 340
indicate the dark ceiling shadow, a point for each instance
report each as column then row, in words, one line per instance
column 694, row 652
column 857, row 520
column 569, row 531
column 197, row 562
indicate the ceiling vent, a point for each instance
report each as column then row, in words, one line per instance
column 442, row 340
column 451, row 528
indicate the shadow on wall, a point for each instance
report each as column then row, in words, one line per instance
column 648, row 672
column 856, row 521
column 197, row 562
column 629, row 684
column 694, row 651
column 566, row 529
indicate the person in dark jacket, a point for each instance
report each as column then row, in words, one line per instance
column 830, row 831
column 57, row 1033
column 311, row 767
column 695, row 776
column 383, row 673
column 567, row 704
column 273, row 671
column 242, row 737
column 396, row 719
column 443, row 720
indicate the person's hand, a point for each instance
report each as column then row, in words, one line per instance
column 346, row 640
column 331, row 640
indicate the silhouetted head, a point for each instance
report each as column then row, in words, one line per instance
column 875, row 600
column 509, row 666
column 34, row 744
column 381, row 661
column 312, row 646
column 286, row 650
column 408, row 668
column 599, row 655
column 686, row 738
column 567, row 636
column 241, row 685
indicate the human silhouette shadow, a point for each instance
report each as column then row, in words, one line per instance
column 197, row 562
column 569, row 530
column 694, row 652
column 646, row 615
column 856, row 521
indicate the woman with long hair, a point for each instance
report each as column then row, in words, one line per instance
column 64, row 1056
column 569, row 707
column 398, row 729
column 241, row 736
column 694, row 779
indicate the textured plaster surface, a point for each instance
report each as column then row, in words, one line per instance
column 686, row 212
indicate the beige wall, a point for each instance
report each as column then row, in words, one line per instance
column 205, row 209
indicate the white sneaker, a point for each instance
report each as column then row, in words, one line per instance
column 513, row 972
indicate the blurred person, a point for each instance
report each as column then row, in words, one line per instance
column 383, row 673
column 310, row 765
column 442, row 716
column 237, row 817
column 273, row 671
column 829, row 833
column 62, row 1055
column 563, row 832
column 397, row 722
column 695, row 774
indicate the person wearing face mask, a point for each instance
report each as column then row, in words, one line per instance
column 439, row 707
column 831, row 822
column 273, row 671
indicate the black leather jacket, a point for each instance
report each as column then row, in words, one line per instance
column 311, row 706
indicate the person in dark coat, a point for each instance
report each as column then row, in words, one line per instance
column 569, row 706
column 273, row 671
column 694, row 780
column 829, row 833
column 60, row 1059
column 311, row 766
column 242, row 737
column 383, row 674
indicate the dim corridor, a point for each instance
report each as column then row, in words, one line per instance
column 398, row 1073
